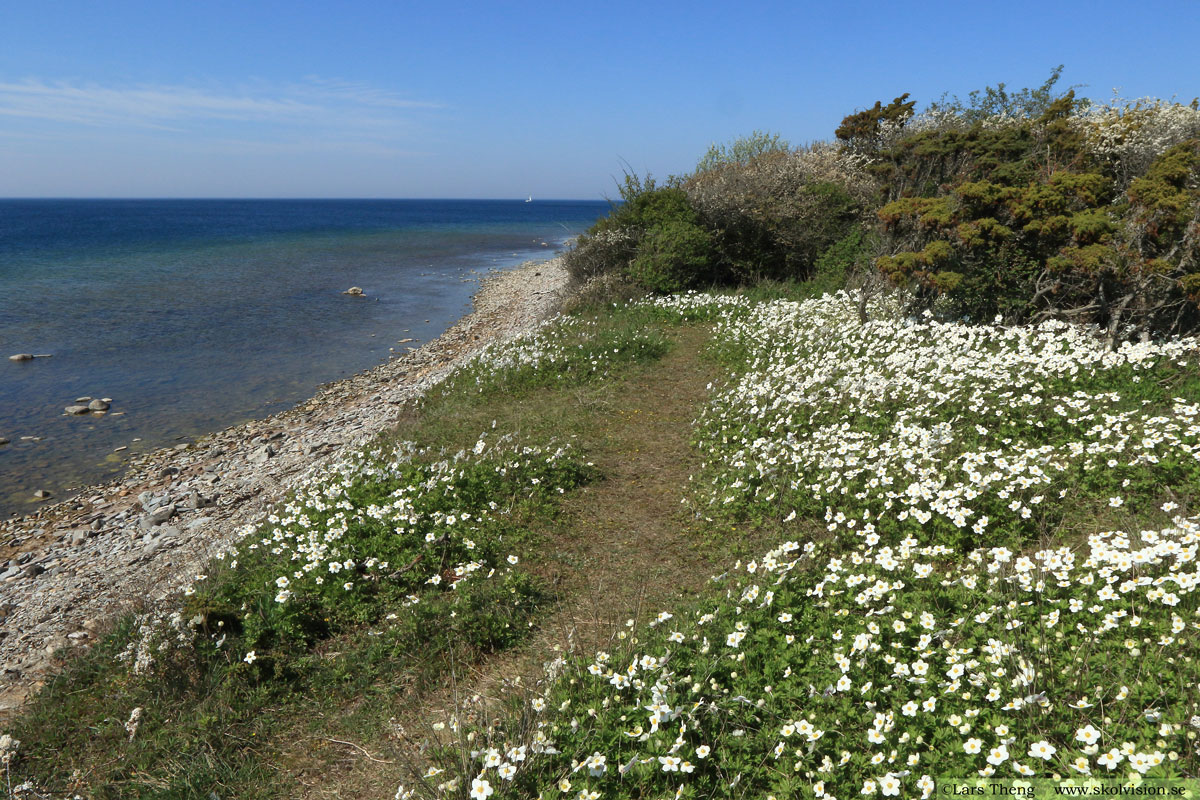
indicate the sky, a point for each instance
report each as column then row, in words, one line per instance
column 249, row 98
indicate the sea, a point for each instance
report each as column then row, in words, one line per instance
column 194, row 315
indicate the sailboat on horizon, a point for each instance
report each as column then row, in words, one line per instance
column 530, row 200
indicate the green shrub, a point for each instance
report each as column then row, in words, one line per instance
column 672, row 257
column 653, row 237
column 841, row 260
column 1027, row 204
column 999, row 207
column 774, row 215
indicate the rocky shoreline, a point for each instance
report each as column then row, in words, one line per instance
column 72, row 567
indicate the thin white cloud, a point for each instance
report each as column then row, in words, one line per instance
column 363, row 94
column 313, row 103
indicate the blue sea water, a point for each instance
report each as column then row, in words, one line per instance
column 193, row 315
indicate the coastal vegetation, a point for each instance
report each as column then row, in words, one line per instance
column 855, row 469
column 1030, row 205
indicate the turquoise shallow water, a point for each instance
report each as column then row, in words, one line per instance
column 193, row 315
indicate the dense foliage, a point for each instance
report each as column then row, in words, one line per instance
column 755, row 209
column 1027, row 205
column 1034, row 217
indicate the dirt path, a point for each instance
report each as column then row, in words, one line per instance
column 624, row 544
column 622, row 548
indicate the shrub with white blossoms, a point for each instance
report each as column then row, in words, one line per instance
column 1002, row 579
column 1129, row 134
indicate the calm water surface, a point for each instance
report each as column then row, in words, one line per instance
column 195, row 315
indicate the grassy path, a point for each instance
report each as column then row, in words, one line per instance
column 621, row 547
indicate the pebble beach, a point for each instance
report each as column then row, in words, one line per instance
column 69, row 569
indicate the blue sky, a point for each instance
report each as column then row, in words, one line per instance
column 175, row 98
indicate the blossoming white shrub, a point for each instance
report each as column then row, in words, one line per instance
column 1129, row 134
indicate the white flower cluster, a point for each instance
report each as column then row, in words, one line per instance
column 309, row 534
column 693, row 305
column 8, row 749
column 921, row 420
column 159, row 633
column 1130, row 134
column 562, row 348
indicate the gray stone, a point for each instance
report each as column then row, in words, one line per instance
column 166, row 531
column 76, row 410
column 78, row 538
column 354, row 291
column 42, row 494
column 33, row 570
column 156, row 517
column 148, row 500
column 261, row 455
column 98, row 405
column 198, row 523
column 196, row 501
column 86, row 399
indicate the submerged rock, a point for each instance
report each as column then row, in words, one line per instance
column 76, row 410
